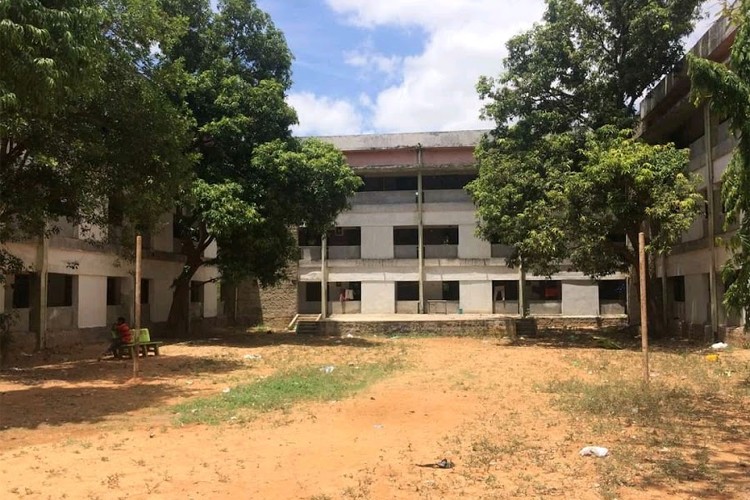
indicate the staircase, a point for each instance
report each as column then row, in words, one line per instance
column 307, row 324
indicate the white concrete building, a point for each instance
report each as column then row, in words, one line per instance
column 409, row 245
column 691, row 283
column 88, row 286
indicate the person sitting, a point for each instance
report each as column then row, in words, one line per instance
column 120, row 335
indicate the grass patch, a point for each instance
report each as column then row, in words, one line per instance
column 623, row 398
column 281, row 390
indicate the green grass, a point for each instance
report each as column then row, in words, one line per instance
column 281, row 391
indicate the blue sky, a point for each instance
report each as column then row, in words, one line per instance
column 397, row 65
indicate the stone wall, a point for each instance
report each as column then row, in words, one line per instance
column 273, row 307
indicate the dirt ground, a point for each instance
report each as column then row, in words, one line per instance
column 72, row 427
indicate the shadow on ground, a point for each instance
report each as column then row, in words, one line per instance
column 617, row 339
column 34, row 406
column 264, row 339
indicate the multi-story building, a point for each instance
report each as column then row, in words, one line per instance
column 75, row 284
column 408, row 244
column 691, row 283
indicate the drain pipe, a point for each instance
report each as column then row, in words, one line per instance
column 713, row 295
column 420, row 230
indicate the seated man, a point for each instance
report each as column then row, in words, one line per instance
column 121, row 332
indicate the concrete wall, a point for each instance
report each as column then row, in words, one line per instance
column 580, row 298
column 210, row 300
column 476, row 296
column 379, row 297
column 696, row 298
column 470, row 246
column 377, row 242
column 162, row 239
column 91, row 301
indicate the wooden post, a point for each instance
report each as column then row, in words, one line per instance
column 138, row 243
column 644, row 307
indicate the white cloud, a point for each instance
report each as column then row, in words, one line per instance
column 320, row 115
column 371, row 61
column 464, row 40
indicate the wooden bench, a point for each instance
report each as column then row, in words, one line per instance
column 143, row 348
column 145, row 345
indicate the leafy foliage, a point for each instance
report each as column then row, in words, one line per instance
column 253, row 181
column 727, row 90
column 549, row 185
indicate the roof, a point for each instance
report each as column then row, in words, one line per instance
column 364, row 142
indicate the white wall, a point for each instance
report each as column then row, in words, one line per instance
column 696, row 298
column 91, row 301
column 580, row 298
column 161, row 299
column 379, row 297
column 211, row 251
column 377, row 242
column 470, row 246
column 476, row 296
column 210, row 298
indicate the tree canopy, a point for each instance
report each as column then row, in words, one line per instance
column 545, row 166
column 726, row 88
column 253, row 181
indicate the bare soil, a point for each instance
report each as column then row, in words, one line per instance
column 72, row 427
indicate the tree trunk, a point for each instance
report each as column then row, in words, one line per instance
column 179, row 312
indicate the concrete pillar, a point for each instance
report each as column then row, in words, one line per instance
column 712, row 278
column 523, row 307
column 324, row 276
column 38, row 312
column 420, row 235
column 210, row 300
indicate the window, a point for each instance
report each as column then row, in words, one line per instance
column 22, row 291
column 450, row 290
column 550, row 290
column 345, row 236
column 612, row 290
column 405, row 236
column 678, row 288
column 145, row 292
column 441, row 235
column 407, row 290
column 196, row 292
column 451, row 181
column 307, row 239
column 389, row 184
column 505, row 290
column 113, row 292
column 312, row 291
column 350, row 291
column 59, row 290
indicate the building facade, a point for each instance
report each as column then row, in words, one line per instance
column 75, row 284
column 408, row 245
column 692, row 287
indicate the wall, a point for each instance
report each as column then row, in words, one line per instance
column 580, row 298
column 379, row 297
column 91, row 301
column 476, row 296
column 470, row 246
column 696, row 298
column 377, row 242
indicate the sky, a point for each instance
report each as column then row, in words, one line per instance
column 374, row 66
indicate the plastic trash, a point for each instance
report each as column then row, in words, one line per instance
column 594, row 451
column 377, row 426
column 328, row 369
column 719, row 346
column 712, row 357
column 226, row 390
column 253, row 356
column 349, row 336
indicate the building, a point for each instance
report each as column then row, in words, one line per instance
column 691, row 283
column 78, row 286
column 408, row 245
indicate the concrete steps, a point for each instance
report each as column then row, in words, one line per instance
column 307, row 324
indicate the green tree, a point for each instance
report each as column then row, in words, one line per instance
column 727, row 91
column 85, row 119
column 253, row 181
column 582, row 68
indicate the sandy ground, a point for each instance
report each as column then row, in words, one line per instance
column 75, row 428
